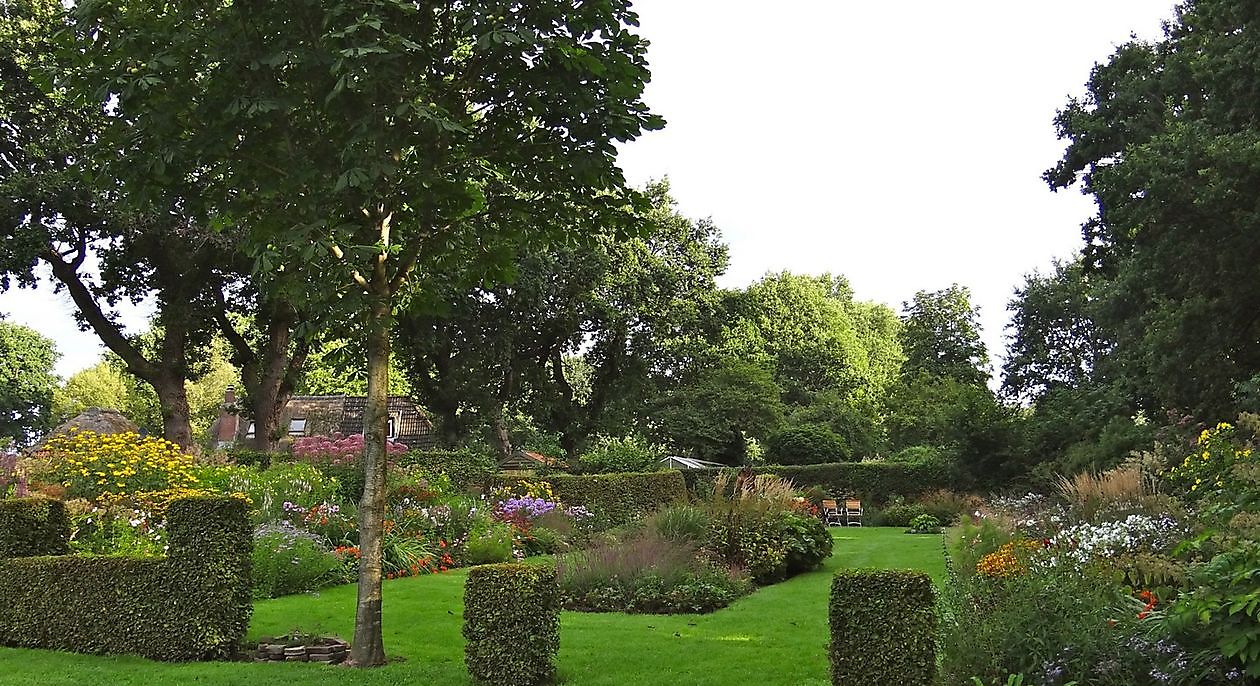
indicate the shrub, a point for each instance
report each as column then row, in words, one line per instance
column 90, row 465
column 33, row 526
column 681, row 523
column 883, row 628
column 647, row 574
column 770, row 545
column 806, row 444
column 626, row 454
column 924, row 524
column 901, row 514
column 288, row 560
column 193, row 604
column 511, row 624
column 489, row 545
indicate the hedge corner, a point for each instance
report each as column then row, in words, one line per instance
column 883, row 628
column 512, row 623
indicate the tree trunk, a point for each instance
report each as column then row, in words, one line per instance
column 173, row 404
column 500, row 439
column 368, row 649
column 273, row 386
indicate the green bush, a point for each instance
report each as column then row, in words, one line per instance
column 684, row 523
column 617, row 499
column 805, row 444
column 872, row 481
column 625, row 454
column 288, row 560
column 924, row 524
column 466, row 468
column 647, row 574
column 248, row 457
column 900, row 514
column 33, row 526
column 883, row 628
column 192, row 604
column 493, row 544
column 771, row 545
column 511, row 624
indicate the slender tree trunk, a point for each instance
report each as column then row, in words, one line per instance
column 273, row 386
column 368, row 649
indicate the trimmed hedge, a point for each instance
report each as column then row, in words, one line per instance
column 33, row 526
column 617, row 498
column 193, row 604
column 512, row 623
column 465, row 467
column 875, row 481
column 883, row 628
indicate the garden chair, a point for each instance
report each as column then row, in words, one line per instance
column 853, row 512
column 831, row 513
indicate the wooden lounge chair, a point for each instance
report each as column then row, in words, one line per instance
column 832, row 516
column 853, row 512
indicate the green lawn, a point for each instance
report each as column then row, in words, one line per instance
column 776, row 636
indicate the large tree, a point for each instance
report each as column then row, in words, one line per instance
column 940, row 336
column 626, row 311
column 27, row 382
column 367, row 141
column 1165, row 140
column 60, row 209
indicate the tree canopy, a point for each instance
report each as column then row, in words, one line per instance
column 27, row 382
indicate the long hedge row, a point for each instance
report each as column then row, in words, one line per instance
column 192, row 604
column 876, row 481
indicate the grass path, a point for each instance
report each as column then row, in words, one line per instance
column 775, row 636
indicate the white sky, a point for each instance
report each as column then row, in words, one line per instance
column 897, row 143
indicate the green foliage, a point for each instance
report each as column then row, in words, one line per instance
column 1170, row 254
column 805, row 328
column 769, row 544
column 808, row 444
column 681, row 523
column 465, row 467
column 193, row 604
column 857, row 419
column 901, row 514
column 617, row 499
column 966, row 419
column 33, row 526
column 1223, row 607
column 712, row 411
column 625, row 454
column 883, row 628
column 488, row 545
column 647, row 574
column 268, row 489
column 511, row 624
column 924, row 524
column 940, row 336
column 288, row 560
column 27, row 382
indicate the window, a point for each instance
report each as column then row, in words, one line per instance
column 391, row 431
column 297, row 426
column 249, row 433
